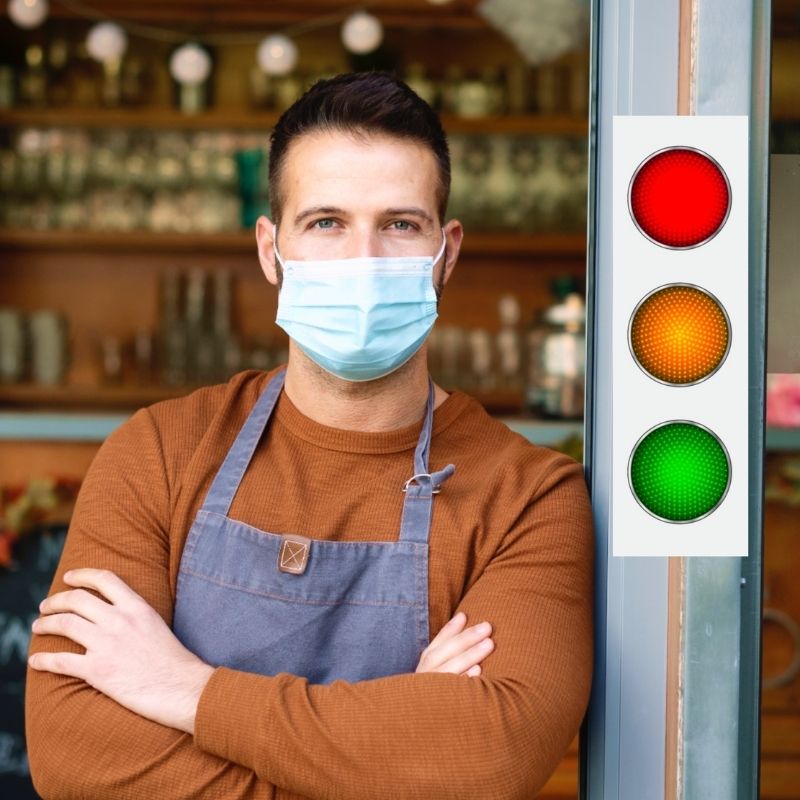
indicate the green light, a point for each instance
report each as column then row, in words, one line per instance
column 679, row 471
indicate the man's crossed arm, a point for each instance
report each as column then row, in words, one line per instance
column 132, row 656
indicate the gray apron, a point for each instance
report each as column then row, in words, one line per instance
column 266, row 602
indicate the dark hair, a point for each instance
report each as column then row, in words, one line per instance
column 362, row 103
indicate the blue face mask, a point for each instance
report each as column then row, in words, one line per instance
column 358, row 318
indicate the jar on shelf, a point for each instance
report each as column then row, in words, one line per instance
column 555, row 361
column 48, row 346
column 474, row 98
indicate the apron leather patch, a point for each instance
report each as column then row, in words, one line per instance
column 293, row 555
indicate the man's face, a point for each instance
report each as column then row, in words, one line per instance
column 347, row 196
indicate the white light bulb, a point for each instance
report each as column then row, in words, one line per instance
column 28, row 13
column 361, row 32
column 190, row 64
column 106, row 41
column 277, row 54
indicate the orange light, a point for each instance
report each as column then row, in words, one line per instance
column 679, row 334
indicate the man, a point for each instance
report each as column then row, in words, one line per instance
column 302, row 531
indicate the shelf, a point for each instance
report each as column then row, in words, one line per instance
column 251, row 120
column 782, row 439
column 84, row 397
column 38, row 426
column 42, row 427
column 507, row 244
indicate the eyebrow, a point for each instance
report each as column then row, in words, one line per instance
column 412, row 211
column 310, row 212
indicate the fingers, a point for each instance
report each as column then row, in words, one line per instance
column 464, row 661
column 455, row 650
column 69, row 625
column 454, row 626
column 63, row 663
column 77, row 601
column 104, row 581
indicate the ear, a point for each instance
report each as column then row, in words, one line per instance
column 454, row 234
column 265, row 233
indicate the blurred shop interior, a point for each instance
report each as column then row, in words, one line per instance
column 133, row 160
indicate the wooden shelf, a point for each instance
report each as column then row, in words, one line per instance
column 506, row 244
column 252, row 120
column 86, row 396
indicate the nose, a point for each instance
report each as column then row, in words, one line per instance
column 364, row 243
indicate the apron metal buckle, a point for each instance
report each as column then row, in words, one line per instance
column 435, row 489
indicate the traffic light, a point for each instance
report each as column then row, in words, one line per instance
column 679, row 275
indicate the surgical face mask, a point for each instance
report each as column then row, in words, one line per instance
column 358, row 318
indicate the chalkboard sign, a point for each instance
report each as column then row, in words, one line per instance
column 21, row 591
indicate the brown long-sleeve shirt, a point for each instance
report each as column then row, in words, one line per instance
column 511, row 542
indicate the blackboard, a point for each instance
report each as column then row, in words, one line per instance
column 21, row 590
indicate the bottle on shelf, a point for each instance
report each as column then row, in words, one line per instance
column 202, row 346
column 33, row 80
column 508, row 344
column 172, row 331
column 227, row 350
column 59, row 90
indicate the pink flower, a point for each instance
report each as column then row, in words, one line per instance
column 783, row 400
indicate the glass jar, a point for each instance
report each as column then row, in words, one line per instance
column 555, row 361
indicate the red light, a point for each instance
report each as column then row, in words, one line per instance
column 679, row 197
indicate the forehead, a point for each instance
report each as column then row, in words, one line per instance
column 331, row 167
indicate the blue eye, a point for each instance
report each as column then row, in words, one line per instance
column 402, row 225
column 324, row 223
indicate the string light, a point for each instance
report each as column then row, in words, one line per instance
column 28, row 13
column 190, row 64
column 362, row 33
column 277, row 54
column 106, row 42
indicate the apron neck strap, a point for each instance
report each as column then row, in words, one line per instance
column 230, row 474
column 415, row 524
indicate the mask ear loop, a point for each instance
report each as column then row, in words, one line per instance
column 438, row 255
column 275, row 247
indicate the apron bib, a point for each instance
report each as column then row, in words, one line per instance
column 264, row 602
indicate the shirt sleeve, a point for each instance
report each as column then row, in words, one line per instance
column 81, row 744
column 417, row 736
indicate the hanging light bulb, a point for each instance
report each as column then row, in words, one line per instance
column 106, row 42
column 28, row 13
column 277, row 54
column 190, row 64
column 361, row 32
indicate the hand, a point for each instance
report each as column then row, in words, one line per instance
column 457, row 650
column 131, row 655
